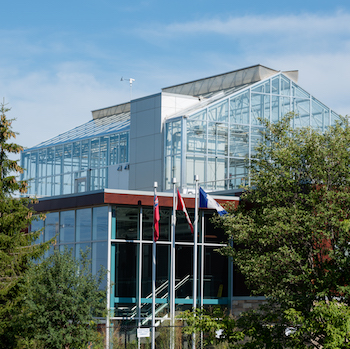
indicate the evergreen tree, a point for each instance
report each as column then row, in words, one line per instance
column 291, row 236
column 17, row 244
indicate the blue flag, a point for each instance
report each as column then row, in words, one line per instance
column 206, row 201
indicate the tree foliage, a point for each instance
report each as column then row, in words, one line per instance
column 17, row 247
column 291, row 234
column 62, row 297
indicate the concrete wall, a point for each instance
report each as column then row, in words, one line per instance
column 147, row 139
column 118, row 176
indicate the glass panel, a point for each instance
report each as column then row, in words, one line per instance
column 95, row 153
column 124, row 147
column 100, row 223
column 275, row 108
column 217, row 138
column 239, row 109
column 183, row 271
column 125, row 269
column 56, row 185
column 196, row 136
column 42, row 163
column 35, row 226
column 127, row 223
column 212, row 233
column 260, row 108
column 276, row 85
column 67, row 226
column 50, row 160
column 335, row 117
column 58, row 160
column 67, row 163
column 168, row 138
column 217, row 173
column 67, row 183
column 114, row 150
column 302, row 112
column 299, row 92
column 81, row 248
column 51, row 225
column 49, row 186
column 80, row 184
column 42, row 186
column 70, row 247
column 215, row 274
column 176, row 137
column 202, row 115
column 83, row 224
column 33, row 164
column 219, row 112
column 195, row 165
column 320, row 115
column 76, row 156
column 84, row 155
column 239, row 141
column 103, row 151
column 162, row 271
column 99, row 259
column 285, row 106
column 25, row 165
column 285, row 86
column 164, row 224
column 238, row 173
column 262, row 87
column 168, row 172
column 95, row 179
column 256, row 139
column 182, row 228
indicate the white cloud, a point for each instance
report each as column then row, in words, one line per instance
column 264, row 25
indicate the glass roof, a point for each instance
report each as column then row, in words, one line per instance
column 93, row 128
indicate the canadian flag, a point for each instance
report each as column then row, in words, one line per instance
column 181, row 207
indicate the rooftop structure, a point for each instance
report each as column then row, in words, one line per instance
column 208, row 126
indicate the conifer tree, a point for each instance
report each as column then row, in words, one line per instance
column 17, row 243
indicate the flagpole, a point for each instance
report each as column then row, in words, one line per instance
column 196, row 179
column 172, row 269
column 154, row 276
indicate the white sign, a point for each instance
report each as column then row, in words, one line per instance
column 143, row 332
column 219, row 333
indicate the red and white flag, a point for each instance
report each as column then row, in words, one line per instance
column 181, row 207
column 156, row 218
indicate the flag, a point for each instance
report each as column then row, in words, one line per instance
column 206, row 201
column 181, row 207
column 156, row 218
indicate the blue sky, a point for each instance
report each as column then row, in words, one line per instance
column 61, row 59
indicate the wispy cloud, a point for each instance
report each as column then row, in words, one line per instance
column 263, row 25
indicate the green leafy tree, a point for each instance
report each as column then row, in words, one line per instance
column 17, row 247
column 62, row 297
column 291, row 236
column 218, row 327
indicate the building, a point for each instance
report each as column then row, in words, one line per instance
column 96, row 181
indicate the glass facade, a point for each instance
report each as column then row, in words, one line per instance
column 131, row 257
column 77, row 230
column 131, row 264
column 74, row 167
column 218, row 141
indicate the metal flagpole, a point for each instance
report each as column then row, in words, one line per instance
column 172, row 268
column 196, row 179
column 154, row 276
